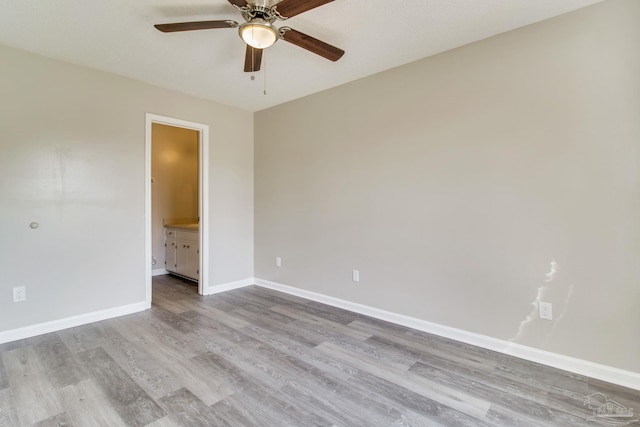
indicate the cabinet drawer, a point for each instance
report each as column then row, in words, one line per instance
column 170, row 233
column 192, row 236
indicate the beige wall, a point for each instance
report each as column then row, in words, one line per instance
column 465, row 185
column 72, row 157
column 174, row 191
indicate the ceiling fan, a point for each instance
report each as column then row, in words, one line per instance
column 258, row 31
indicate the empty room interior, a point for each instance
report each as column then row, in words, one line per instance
column 320, row 213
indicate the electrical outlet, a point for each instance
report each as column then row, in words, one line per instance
column 278, row 262
column 545, row 310
column 19, row 294
column 356, row 275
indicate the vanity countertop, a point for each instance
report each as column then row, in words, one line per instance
column 183, row 226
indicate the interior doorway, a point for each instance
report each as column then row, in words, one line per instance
column 187, row 210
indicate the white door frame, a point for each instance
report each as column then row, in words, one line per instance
column 203, row 205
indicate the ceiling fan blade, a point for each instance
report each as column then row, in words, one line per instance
column 289, row 8
column 311, row 44
column 239, row 3
column 252, row 59
column 199, row 25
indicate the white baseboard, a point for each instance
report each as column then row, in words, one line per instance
column 159, row 271
column 216, row 289
column 70, row 322
column 559, row 361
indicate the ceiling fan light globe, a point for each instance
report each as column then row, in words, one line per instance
column 258, row 34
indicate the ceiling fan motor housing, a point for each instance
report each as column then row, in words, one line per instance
column 251, row 12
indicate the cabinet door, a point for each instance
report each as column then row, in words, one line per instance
column 187, row 258
column 192, row 266
column 171, row 262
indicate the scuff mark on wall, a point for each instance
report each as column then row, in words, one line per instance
column 549, row 277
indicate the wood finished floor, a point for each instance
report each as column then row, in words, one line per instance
column 255, row 357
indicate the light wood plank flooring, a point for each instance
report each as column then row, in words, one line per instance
column 255, row 357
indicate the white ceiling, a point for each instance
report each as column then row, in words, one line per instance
column 118, row 36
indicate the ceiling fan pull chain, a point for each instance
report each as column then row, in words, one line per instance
column 264, row 76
